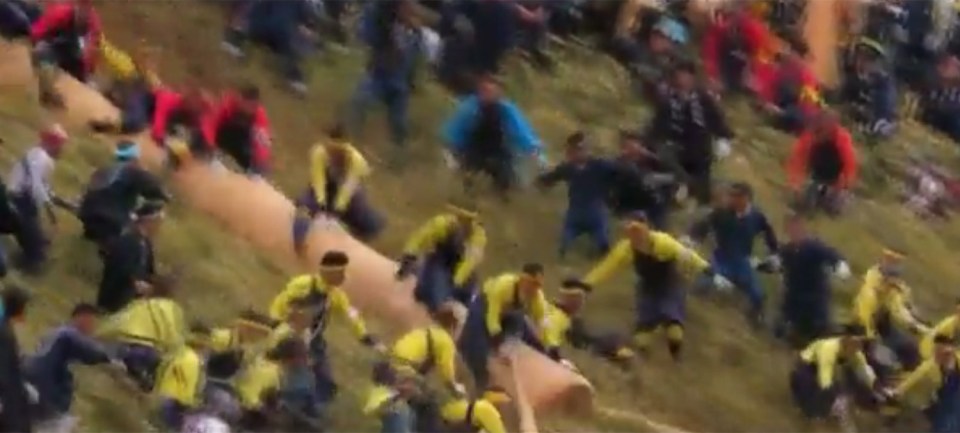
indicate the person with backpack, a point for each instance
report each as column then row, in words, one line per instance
column 113, row 192
column 30, row 191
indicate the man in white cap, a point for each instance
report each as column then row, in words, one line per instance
column 29, row 189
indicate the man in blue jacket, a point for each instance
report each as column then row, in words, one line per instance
column 589, row 183
column 394, row 41
column 806, row 264
column 487, row 133
column 48, row 370
column 735, row 226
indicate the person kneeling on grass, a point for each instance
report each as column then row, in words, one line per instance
column 337, row 172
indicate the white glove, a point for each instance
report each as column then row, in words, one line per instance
column 459, row 389
column 755, row 262
column 118, row 365
column 721, row 283
column 450, row 161
column 842, row 270
column 542, row 161
column 32, row 395
column 569, row 365
column 840, row 406
column 688, row 242
column 773, row 261
column 722, row 148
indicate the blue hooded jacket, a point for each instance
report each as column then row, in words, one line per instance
column 519, row 134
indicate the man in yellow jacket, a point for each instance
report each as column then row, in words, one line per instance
column 231, row 346
column 882, row 307
column 500, row 312
column 181, row 379
column 453, row 243
column 419, row 353
column 262, row 378
column 337, row 171
column 948, row 327
column 564, row 326
column 147, row 329
column 659, row 261
column 820, row 376
column 935, row 387
column 322, row 292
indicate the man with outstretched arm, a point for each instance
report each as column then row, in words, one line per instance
column 659, row 261
column 735, row 226
column 453, row 243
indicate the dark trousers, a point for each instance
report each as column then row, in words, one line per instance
column 699, row 174
column 285, row 43
column 394, row 96
column 241, row 151
column 590, row 220
column 435, row 285
column 100, row 228
column 361, row 219
column 499, row 168
column 141, row 362
column 326, row 387
column 16, row 16
column 476, row 343
column 29, row 232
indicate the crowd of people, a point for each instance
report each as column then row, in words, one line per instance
column 270, row 370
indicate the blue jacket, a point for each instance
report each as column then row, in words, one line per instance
column 48, row 370
column 735, row 234
column 519, row 134
column 805, row 273
column 588, row 184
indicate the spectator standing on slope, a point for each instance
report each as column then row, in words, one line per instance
column 15, row 399
column 30, row 191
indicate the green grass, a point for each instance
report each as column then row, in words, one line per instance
column 732, row 379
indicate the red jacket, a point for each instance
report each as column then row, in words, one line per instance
column 57, row 17
column 756, row 36
column 798, row 75
column 799, row 165
column 260, row 135
column 167, row 103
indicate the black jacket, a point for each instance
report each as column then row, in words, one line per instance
column 15, row 414
column 689, row 123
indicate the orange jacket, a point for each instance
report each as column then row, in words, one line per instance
column 799, row 164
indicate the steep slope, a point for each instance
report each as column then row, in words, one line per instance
column 732, row 379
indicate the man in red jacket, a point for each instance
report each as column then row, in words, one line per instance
column 823, row 165
column 66, row 36
column 792, row 96
column 188, row 116
column 242, row 130
column 738, row 48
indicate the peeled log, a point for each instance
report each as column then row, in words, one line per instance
column 259, row 213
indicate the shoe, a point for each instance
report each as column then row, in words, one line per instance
column 757, row 319
column 676, row 351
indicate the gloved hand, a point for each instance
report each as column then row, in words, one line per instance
column 32, row 395
column 542, row 161
column 721, row 283
column 688, row 242
column 450, row 160
column 459, row 389
column 407, row 264
column 770, row 264
column 842, row 270
column 569, row 365
column 722, row 148
column 118, row 365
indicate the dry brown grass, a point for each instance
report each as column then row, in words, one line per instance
column 732, row 378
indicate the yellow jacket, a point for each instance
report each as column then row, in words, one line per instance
column 555, row 327
column 947, row 327
column 154, row 322
column 664, row 248
column 121, row 66
column 356, row 169
column 435, row 231
column 380, row 400
column 180, row 377
column 413, row 348
column 484, row 415
column 920, row 387
column 336, row 300
column 502, row 296
column 825, row 355
column 256, row 378
column 869, row 303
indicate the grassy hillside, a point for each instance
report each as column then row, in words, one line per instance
column 732, row 379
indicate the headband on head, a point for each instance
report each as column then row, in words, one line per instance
column 463, row 212
column 127, row 151
column 496, row 396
